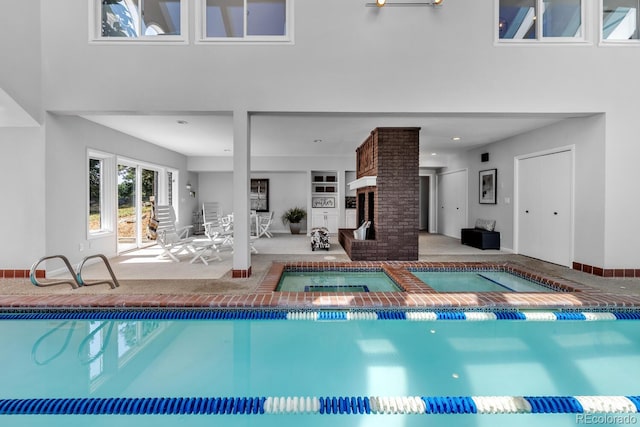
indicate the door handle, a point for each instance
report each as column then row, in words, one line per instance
column 526, row 211
column 555, row 213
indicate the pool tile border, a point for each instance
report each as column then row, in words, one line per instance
column 416, row 294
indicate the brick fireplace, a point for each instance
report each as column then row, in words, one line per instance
column 387, row 180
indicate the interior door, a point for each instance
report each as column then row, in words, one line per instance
column 545, row 217
column 452, row 203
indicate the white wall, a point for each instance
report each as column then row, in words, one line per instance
column 68, row 138
column 440, row 60
column 22, row 178
column 20, row 45
column 587, row 135
column 286, row 190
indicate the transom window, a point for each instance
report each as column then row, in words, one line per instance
column 245, row 20
column 620, row 20
column 149, row 20
column 561, row 20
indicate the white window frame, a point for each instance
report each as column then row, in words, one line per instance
column 201, row 28
column 540, row 39
column 95, row 28
column 107, row 194
column 605, row 42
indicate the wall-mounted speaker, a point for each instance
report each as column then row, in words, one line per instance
column 484, row 157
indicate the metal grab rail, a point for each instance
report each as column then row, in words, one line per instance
column 32, row 275
column 78, row 281
column 113, row 283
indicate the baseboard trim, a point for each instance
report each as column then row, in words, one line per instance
column 20, row 274
column 241, row 274
column 607, row 272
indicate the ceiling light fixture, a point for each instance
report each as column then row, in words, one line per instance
column 381, row 3
column 456, row 138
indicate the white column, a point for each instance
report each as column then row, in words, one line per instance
column 241, row 182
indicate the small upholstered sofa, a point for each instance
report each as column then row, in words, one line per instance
column 482, row 236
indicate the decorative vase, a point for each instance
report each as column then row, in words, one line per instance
column 294, row 227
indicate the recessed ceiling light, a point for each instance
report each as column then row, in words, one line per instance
column 434, row 154
column 456, row 138
column 181, row 122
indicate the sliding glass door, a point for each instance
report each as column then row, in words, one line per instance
column 137, row 191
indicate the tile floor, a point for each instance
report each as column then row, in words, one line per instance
column 148, row 282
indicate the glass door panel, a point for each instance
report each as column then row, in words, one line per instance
column 149, row 196
column 127, row 213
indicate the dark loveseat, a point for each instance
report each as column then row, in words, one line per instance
column 482, row 236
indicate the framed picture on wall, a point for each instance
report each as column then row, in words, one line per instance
column 259, row 197
column 488, row 186
column 323, row 202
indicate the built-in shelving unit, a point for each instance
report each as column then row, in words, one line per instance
column 324, row 200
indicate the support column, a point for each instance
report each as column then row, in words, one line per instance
column 241, row 182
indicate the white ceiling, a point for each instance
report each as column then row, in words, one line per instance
column 319, row 134
column 302, row 134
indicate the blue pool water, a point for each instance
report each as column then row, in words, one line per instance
column 336, row 281
column 477, row 281
column 205, row 358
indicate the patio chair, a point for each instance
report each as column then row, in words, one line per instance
column 264, row 223
column 217, row 228
column 171, row 239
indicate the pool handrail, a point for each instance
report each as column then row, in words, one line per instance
column 76, row 274
column 113, row 283
column 32, row 274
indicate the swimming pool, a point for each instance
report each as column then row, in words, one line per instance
column 478, row 281
column 336, row 356
column 396, row 278
column 314, row 280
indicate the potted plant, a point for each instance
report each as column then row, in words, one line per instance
column 293, row 217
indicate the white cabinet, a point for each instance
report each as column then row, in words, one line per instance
column 350, row 218
column 324, row 200
column 325, row 218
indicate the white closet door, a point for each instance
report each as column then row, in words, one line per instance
column 452, row 203
column 545, row 218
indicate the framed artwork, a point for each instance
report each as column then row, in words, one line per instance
column 488, row 186
column 323, row 202
column 259, row 195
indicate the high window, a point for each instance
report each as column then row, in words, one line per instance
column 561, row 20
column 245, row 20
column 147, row 20
column 620, row 20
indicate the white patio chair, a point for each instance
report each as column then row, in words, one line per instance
column 264, row 223
column 217, row 228
column 171, row 239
